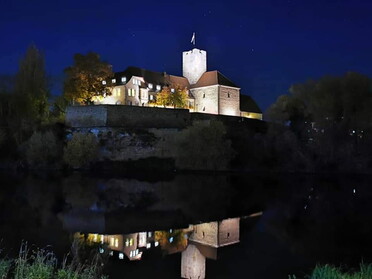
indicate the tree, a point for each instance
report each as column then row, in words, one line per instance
column 179, row 98
column 31, row 86
column 83, row 80
column 163, row 98
column 81, row 150
column 42, row 148
column 203, row 146
column 174, row 95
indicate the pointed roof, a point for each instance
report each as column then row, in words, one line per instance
column 248, row 104
column 213, row 78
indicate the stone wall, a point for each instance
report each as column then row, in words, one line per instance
column 228, row 232
column 206, row 99
column 126, row 116
column 86, row 116
column 192, row 263
column 229, row 101
column 206, row 233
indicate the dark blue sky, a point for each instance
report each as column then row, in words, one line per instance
column 263, row 46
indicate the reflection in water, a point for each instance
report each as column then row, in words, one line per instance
column 197, row 243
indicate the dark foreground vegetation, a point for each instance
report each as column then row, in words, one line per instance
column 331, row 272
column 320, row 126
column 43, row 264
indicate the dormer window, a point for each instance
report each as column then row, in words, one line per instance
column 123, row 79
column 113, row 80
column 172, row 90
column 103, row 82
column 136, row 81
column 158, row 87
column 150, row 86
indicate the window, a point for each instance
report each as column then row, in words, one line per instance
column 127, row 242
column 131, row 92
column 151, row 97
column 203, row 234
column 113, row 80
column 131, row 242
column 228, row 95
column 116, row 242
column 203, row 95
column 172, row 90
column 158, row 87
column 136, row 81
column 150, row 86
column 103, row 82
column 112, row 241
column 123, row 79
column 228, row 235
column 203, row 108
column 121, row 256
column 149, row 234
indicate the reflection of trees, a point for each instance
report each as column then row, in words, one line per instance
column 80, row 192
column 172, row 241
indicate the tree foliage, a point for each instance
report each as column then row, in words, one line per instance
column 83, row 80
column 177, row 99
column 81, row 150
column 203, row 146
column 42, row 148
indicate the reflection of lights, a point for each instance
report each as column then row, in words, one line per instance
column 111, row 253
column 305, row 207
column 121, row 256
column 171, row 239
column 148, row 245
column 101, row 250
column 156, row 243
column 354, row 191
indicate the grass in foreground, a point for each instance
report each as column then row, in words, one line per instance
column 42, row 264
column 332, row 272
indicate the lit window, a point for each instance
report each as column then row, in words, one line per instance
column 113, row 80
column 156, row 243
column 112, row 241
column 121, row 256
column 103, row 82
column 131, row 242
column 127, row 242
column 171, row 239
column 158, row 87
column 149, row 234
column 148, row 245
column 131, row 253
column 137, row 251
column 150, row 85
column 151, row 97
column 95, row 238
column 116, row 242
column 172, row 90
column 123, row 79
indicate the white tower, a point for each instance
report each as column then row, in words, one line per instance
column 194, row 64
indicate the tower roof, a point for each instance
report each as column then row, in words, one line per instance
column 213, row 78
column 248, row 104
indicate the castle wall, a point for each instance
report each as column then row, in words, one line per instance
column 206, row 99
column 194, row 64
column 229, row 101
column 86, row 116
column 206, row 233
column 228, row 232
column 126, row 116
column 192, row 263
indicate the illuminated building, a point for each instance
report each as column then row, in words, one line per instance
column 208, row 91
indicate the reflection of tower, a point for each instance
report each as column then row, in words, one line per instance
column 194, row 64
column 217, row 234
column 192, row 263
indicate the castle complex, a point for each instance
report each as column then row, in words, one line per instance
column 208, row 91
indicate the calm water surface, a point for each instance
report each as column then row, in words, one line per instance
column 194, row 225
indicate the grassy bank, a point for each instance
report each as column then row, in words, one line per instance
column 43, row 264
column 332, row 272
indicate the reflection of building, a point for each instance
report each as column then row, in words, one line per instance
column 205, row 239
column 217, row 234
column 208, row 91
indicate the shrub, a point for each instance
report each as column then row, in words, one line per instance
column 203, row 146
column 42, row 148
column 81, row 150
column 4, row 268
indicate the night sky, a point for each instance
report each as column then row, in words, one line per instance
column 263, row 46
